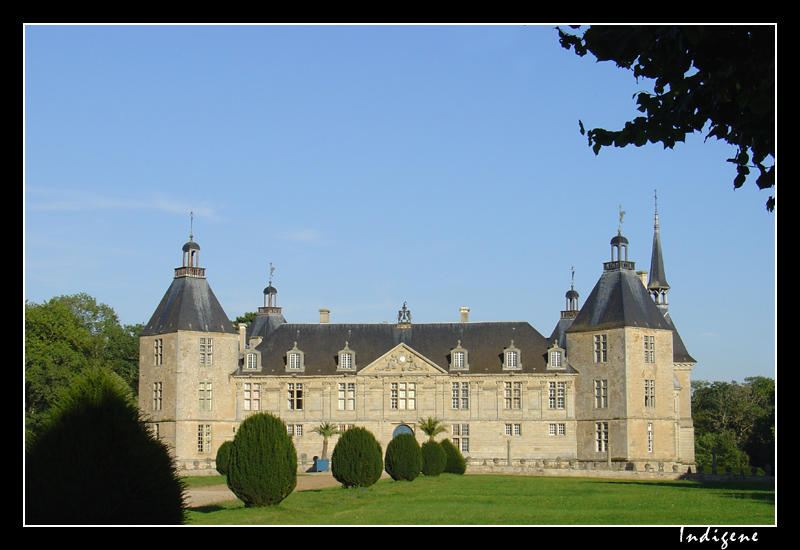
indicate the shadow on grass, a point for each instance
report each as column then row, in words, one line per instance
column 743, row 490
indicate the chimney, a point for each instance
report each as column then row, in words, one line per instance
column 464, row 314
column 324, row 316
column 242, row 336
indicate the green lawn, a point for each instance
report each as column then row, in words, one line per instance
column 510, row 500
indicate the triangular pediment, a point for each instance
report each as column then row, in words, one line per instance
column 402, row 359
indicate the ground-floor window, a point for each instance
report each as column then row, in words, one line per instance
column 204, row 438
column 601, row 436
column 460, row 434
column 557, row 428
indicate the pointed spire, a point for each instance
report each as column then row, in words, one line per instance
column 657, row 284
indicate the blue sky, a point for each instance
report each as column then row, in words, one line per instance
column 374, row 165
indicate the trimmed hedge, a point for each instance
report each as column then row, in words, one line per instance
column 96, row 461
column 455, row 460
column 433, row 458
column 357, row 459
column 403, row 458
column 262, row 465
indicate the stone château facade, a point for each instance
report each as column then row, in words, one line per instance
column 612, row 382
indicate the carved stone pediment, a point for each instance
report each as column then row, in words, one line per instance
column 402, row 360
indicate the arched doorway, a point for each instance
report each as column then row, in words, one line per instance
column 402, row 429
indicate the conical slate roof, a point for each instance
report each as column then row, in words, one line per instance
column 189, row 304
column 619, row 299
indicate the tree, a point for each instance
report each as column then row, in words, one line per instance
column 721, row 77
column 262, row 464
column 742, row 414
column 326, row 430
column 403, row 457
column 357, row 459
column 67, row 335
column 431, row 427
column 96, row 462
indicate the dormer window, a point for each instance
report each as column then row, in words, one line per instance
column 459, row 358
column 512, row 358
column 295, row 359
column 556, row 358
column 347, row 358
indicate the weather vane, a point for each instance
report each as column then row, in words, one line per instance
column 191, row 225
column 621, row 214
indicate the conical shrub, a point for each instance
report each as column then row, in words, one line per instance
column 433, row 458
column 403, row 457
column 357, row 459
column 455, row 463
column 96, row 462
column 223, row 454
column 262, row 464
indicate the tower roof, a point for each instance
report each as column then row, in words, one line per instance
column 619, row 299
column 189, row 304
column 658, row 277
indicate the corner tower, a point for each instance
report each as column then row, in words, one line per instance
column 621, row 345
column 186, row 351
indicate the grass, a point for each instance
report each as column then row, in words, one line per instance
column 510, row 500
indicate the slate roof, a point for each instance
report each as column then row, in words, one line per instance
column 189, row 304
column 619, row 299
column 485, row 342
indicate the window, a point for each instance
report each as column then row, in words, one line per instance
column 461, row 437
column 204, row 438
column 601, row 394
column 347, row 358
column 555, row 359
column 295, row 359
column 252, row 361
column 158, row 352
column 252, row 397
column 600, row 348
column 513, row 429
column 601, row 436
column 650, row 393
column 157, row 395
column 459, row 358
column 204, row 396
column 347, row 396
column 460, row 395
column 295, row 396
column 403, row 396
column 556, row 395
column 649, row 349
column 206, row 351
column 557, row 428
column 649, row 437
column 512, row 395
column 294, row 429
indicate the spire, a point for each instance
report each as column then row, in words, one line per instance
column 657, row 284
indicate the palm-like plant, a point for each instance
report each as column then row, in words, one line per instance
column 326, row 430
column 431, row 427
